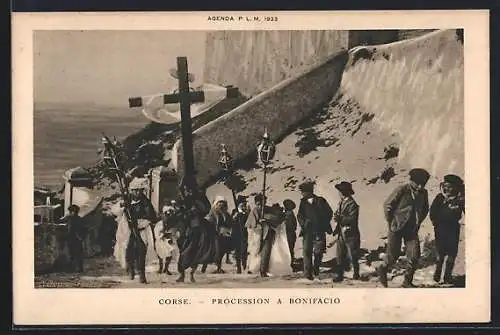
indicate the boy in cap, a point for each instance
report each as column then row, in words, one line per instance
column 291, row 226
column 75, row 237
column 348, row 244
column 404, row 210
column 445, row 213
column 314, row 216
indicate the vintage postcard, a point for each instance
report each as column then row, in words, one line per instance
column 251, row 167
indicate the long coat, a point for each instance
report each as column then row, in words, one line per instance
column 347, row 215
column 401, row 208
column 315, row 217
column 445, row 215
column 314, row 220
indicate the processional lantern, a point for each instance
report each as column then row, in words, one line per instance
column 266, row 149
column 225, row 160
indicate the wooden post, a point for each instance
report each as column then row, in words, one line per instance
column 185, row 97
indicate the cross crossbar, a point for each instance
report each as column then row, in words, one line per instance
column 193, row 96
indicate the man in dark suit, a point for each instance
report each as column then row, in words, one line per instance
column 240, row 233
column 348, row 244
column 314, row 216
column 405, row 210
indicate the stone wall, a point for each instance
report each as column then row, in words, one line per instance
column 51, row 250
column 255, row 61
column 276, row 109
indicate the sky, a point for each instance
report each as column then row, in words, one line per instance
column 108, row 67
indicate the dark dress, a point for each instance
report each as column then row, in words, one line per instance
column 222, row 223
column 197, row 240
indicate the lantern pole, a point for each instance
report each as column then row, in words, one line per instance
column 226, row 163
column 266, row 151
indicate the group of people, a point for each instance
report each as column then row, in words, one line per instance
column 263, row 238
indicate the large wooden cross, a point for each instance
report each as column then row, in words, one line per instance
column 185, row 97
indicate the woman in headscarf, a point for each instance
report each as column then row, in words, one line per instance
column 254, row 229
column 268, row 248
column 446, row 211
column 222, row 222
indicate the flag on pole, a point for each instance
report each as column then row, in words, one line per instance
column 154, row 108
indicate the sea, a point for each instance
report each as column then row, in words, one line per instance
column 67, row 136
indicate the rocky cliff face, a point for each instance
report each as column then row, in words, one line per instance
column 415, row 88
column 257, row 60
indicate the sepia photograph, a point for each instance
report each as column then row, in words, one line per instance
column 301, row 161
column 281, row 158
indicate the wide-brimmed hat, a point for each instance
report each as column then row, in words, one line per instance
column 138, row 184
column 289, row 204
column 453, row 180
column 307, row 186
column 259, row 198
column 345, row 187
column 74, row 208
column 419, row 175
column 241, row 199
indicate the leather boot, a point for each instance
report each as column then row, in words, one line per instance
column 382, row 275
column 437, row 272
column 408, row 280
column 355, row 267
column 339, row 277
column 448, row 270
column 131, row 271
column 181, row 278
column 167, row 263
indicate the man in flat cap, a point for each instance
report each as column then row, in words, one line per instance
column 446, row 211
column 314, row 216
column 405, row 210
column 348, row 244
